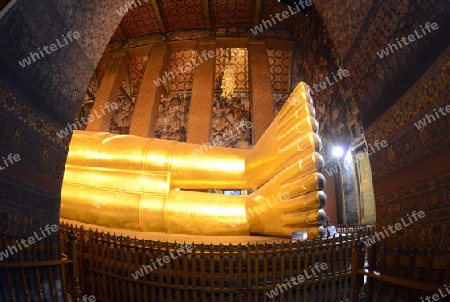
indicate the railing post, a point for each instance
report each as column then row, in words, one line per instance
column 356, row 280
column 447, row 268
column 371, row 259
column 82, row 251
column 72, row 253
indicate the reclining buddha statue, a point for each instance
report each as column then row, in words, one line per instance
column 154, row 185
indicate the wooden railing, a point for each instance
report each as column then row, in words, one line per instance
column 394, row 274
column 35, row 270
column 242, row 272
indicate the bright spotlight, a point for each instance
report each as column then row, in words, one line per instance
column 337, row 151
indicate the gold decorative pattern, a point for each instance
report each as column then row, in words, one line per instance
column 231, row 12
column 409, row 146
column 137, row 69
column 141, row 20
column 169, row 16
column 182, row 16
column 14, row 106
column 279, row 65
column 429, row 90
column 179, row 61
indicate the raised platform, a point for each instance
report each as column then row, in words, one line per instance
column 163, row 237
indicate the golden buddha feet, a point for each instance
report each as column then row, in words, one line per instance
column 291, row 143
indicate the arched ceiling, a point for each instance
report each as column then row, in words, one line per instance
column 344, row 20
column 166, row 16
column 352, row 31
column 235, row 18
column 148, row 21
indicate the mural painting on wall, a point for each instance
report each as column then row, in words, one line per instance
column 230, row 117
column 121, row 119
column 279, row 99
column 173, row 117
column 329, row 102
column 85, row 111
column 88, row 102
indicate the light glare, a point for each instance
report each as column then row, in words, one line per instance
column 337, row 151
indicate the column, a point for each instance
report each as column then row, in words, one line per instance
column 200, row 108
column 146, row 109
column 263, row 110
column 106, row 100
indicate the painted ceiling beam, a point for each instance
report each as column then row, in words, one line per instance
column 256, row 12
column 159, row 16
column 206, row 8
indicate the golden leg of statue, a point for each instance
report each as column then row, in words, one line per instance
column 147, row 184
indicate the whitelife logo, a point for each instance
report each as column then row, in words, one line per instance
column 49, row 49
column 423, row 123
column 70, row 127
column 437, row 297
column 85, row 298
column 284, row 15
column 13, row 249
column 140, row 273
column 411, row 38
column 323, row 85
column 397, row 226
column 274, row 292
column 12, row 159
column 129, row 7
